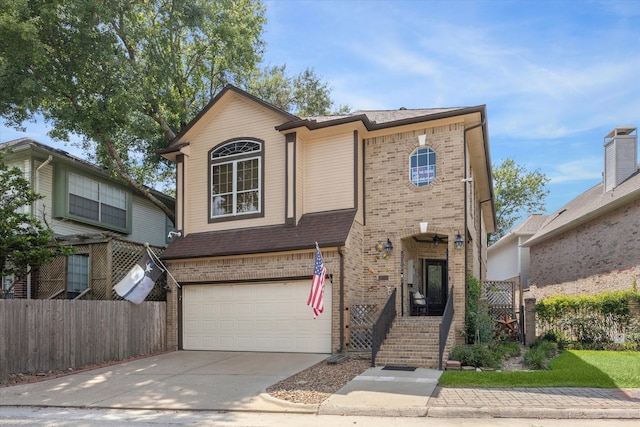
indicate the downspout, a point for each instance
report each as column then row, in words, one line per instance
column 341, row 254
column 46, row 162
column 481, row 124
column 37, row 177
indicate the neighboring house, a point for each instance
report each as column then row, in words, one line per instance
column 385, row 195
column 106, row 221
column 592, row 244
column 507, row 259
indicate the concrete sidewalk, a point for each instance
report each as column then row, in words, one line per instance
column 227, row 381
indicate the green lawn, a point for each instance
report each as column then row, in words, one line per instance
column 572, row 368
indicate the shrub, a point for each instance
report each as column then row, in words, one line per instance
column 538, row 355
column 477, row 355
column 536, row 358
column 510, row 349
column 587, row 322
column 479, row 326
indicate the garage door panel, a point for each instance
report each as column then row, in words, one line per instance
column 254, row 317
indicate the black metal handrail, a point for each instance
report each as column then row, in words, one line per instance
column 382, row 326
column 445, row 326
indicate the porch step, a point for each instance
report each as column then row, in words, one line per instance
column 411, row 342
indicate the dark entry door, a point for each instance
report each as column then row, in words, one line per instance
column 435, row 285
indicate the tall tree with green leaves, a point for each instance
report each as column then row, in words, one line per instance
column 123, row 75
column 25, row 242
column 303, row 95
column 126, row 75
column 517, row 191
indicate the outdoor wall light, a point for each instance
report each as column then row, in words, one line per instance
column 436, row 240
column 459, row 242
column 385, row 248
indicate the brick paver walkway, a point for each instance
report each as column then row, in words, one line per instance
column 558, row 397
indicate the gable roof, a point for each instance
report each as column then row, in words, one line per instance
column 326, row 228
column 526, row 228
column 587, row 206
column 178, row 141
column 372, row 119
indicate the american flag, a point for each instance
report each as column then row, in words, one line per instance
column 316, row 295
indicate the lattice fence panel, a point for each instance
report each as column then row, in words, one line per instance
column 51, row 278
column 111, row 260
column 361, row 320
column 99, row 272
column 500, row 297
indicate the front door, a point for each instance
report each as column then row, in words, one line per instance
column 435, row 285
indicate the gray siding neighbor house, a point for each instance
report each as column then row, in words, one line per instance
column 105, row 220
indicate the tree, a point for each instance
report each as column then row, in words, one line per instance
column 25, row 242
column 126, row 75
column 517, row 191
column 303, row 95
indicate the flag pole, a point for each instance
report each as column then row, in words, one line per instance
column 155, row 258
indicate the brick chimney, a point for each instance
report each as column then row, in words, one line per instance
column 620, row 156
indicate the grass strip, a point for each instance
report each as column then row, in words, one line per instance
column 572, row 368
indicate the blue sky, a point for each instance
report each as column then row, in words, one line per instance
column 556, row 76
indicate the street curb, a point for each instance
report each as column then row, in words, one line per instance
column 407, row 411
column 542, row 413
column 291, row 407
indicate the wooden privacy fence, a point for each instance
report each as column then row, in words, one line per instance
column 43, row 335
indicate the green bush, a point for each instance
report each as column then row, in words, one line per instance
column 477, row 355
column 479, row 326
column 538, row 355
column 510, row 349
column 536, row 358
column 588, row 322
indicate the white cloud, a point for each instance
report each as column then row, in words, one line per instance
column 588, row 168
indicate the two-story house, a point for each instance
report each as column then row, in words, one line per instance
column 106, row 221
column 397, row 200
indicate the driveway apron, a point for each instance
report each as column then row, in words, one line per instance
column 191, row 380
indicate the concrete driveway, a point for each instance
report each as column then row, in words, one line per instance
column 191, row 380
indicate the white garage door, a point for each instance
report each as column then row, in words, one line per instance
column 255, row 317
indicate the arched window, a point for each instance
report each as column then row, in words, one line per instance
column 422, row 166
column 236, row 179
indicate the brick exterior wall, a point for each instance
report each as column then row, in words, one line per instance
column 394, row 208
column 600, row 255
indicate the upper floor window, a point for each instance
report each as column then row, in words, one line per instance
column 422, row 166
column 90, row 201
column 236, row 179
column 97, row 201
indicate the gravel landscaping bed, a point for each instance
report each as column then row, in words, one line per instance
column 317, row 383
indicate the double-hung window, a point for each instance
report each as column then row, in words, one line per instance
column 95, row 202
column 236, row 180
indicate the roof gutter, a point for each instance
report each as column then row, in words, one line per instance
column 371, row 126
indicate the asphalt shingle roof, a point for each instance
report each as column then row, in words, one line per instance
column 327, row 228
column 588, row 205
